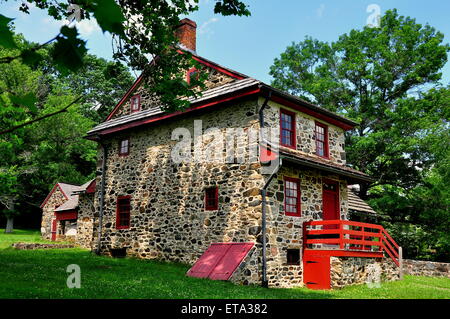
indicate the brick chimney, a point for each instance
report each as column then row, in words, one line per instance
column 186, row 34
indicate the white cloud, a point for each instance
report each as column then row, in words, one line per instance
column 320, row 10
column 84, row 27
column 87, row 27
column 205, row 27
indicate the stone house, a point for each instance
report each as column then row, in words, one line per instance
column 67, row 213
column 273, row 210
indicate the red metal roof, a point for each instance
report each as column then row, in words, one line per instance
column 220, row 260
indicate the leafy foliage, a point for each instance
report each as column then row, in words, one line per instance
column 387, row 79
column 144, row 39
column 34, row 157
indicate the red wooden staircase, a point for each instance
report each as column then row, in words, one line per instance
column 351, row 238
column 343, row 238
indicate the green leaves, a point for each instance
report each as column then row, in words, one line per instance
column 68, row 51
column 6, row 35
column 231, row 7
column 28, row 100
column 109, row 16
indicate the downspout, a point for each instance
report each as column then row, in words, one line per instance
column 265, row 282
column 102, row 197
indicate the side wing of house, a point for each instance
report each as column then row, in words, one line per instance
column 54, row 199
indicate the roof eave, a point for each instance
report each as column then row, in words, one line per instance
column 341, row 121
column 351, row 176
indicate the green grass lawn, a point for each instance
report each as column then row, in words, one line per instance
column 42, row 274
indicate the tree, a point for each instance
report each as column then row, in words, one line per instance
column 101, row 83
column 387, row 79
column 144, row 37
column 36, row 156
column 18, row 80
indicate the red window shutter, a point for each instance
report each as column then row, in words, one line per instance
column 292, row 203
column 123, row 212
column 287, row 129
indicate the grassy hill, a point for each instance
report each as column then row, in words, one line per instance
column 42, row 274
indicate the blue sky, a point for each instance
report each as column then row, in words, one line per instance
column 250, row 44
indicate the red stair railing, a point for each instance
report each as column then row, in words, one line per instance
column 350, row 236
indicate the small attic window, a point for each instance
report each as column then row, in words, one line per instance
column 135, row 103
column 191, row 74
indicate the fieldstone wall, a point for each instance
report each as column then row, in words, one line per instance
column 426, row 268
column 305, row 128
column 249, row 271
column 48, row 212
column 85, row 222
column 148, row 100
column 168, row 219
column 286, row 232
column 345, row 271
column 31, row 246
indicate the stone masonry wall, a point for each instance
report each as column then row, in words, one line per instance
column 85, row 222
column 215, row 79
column 286, row 232
column 168, row 219
column 426, row 268
column 345, row 271
column 305, row 128
column 48, row 212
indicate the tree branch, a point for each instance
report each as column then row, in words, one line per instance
column 64, row 109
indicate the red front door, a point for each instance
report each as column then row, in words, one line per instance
column 54, row 227
column 330, row 198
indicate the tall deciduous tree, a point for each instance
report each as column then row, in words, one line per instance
column 381, row 77
column 34, row 157
column 144, row 37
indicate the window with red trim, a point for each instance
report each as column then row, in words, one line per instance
column 292, row 197
column 191, row 74
column 123, row 212
column 287, row 128
column 124, row 147
column 321, row 136
column 135, row 103
column 212, row 198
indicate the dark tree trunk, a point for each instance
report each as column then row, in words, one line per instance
column 9, row 224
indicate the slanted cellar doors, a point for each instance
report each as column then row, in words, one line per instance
column 220, row 260
column 316, row 271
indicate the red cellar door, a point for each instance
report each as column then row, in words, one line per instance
column 227, row 265
column 316, row 272
column 206, row 263
column 220, row 260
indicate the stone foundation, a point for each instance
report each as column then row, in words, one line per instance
column 345, row 271
column 426, row 268
column 30, row 246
